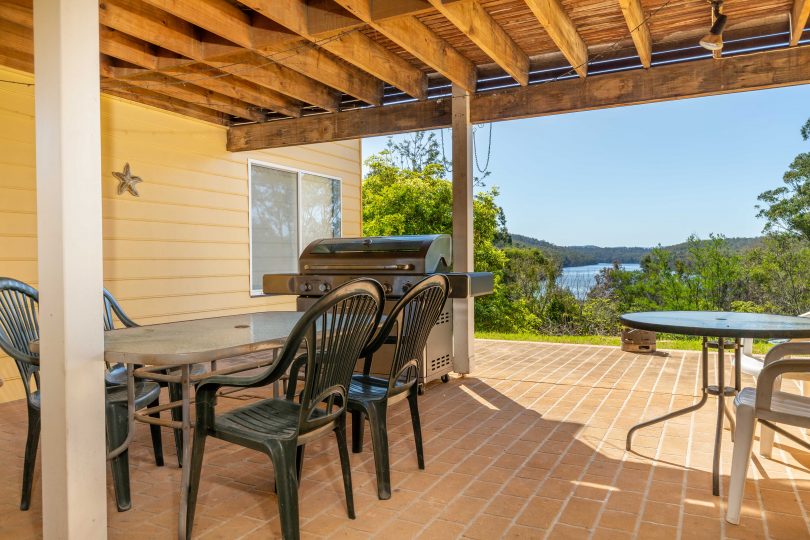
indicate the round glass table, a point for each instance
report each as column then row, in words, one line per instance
column 727, row 329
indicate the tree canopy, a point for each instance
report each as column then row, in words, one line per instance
column 787, row 208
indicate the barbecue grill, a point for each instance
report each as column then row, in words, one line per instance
column 397, row 262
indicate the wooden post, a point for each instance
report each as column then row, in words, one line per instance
column 68, row 160
column 463, row 319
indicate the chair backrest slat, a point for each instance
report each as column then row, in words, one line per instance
column 19, row 326
column 336, row 330
column 413, row 318
column 112, row 310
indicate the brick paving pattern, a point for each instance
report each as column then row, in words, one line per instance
column 530, row 446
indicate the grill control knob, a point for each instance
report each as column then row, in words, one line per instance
column 306, row 287
column 323, row 287
column 388, row 288
column 406, row 287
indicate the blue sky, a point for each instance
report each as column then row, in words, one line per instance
column 646, row 174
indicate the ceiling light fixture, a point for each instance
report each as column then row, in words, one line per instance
column 713, row 41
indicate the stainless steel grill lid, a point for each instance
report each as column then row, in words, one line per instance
column 418, row 254
column 397, row 262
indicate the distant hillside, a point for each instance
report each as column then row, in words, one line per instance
column 584, row 255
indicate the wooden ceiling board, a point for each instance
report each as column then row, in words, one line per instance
column 600, row 24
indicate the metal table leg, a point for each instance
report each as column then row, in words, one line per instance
column 721, row 406
column 720, row 390
column 185, row 383
column 679, row 412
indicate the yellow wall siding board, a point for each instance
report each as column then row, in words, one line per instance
column 180, row 250
column 175, row 196
column 155, row 173
column 18, row 248
column 18, row 224
column 17, row 176
column 133, row 229
column 127, row 289
column 22, row 270
column 173, row 269
column 169, row 213
column 15, row 152
column 17, row 200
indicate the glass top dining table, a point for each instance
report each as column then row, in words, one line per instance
column 727, row 328
column 181, row 345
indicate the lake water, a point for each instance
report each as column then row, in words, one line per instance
column 581, row 279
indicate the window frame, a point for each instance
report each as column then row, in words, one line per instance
column 299, row 176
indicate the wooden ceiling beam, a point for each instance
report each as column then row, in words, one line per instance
column 118, row 45
column 562, row 31
column 16, row 37
column 160, row 101
column 477, row 24
column 229, row 22
column 640, row 31
column 172, row 33
column 14, row 59
column 352, row 46
column 139, row 53
column 323, row 19
column 162, row 84
column 413, row 36
column 16, row 51
column 226, row 84
column 17, row 11
column 798, row 20
column 756, row 71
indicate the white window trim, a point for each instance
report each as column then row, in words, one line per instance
column 299, row 175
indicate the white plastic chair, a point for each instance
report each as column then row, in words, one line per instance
column 752, row 365
column 769, row 405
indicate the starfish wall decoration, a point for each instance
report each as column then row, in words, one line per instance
column 126, row 182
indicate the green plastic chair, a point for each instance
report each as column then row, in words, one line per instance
column 333, row 332
column 407, row 327
column 19, row 326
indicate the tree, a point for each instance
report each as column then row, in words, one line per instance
column 416, row 151
column 716, row 271
column 787, row 208
column 778, row 275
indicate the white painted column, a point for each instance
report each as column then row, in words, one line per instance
column 463, row 319
column 68, row 149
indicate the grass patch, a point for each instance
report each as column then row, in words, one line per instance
column 664, row 341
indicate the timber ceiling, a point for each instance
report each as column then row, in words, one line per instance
column 251, row 61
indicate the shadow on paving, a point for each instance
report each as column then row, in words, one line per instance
column 495, row 467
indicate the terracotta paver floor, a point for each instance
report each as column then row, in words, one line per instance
column 530, row 446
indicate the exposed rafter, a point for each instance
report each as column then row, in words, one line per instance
column 352, row 46
column 771, row 69
column 324, row 19
column 798, row 20
column 229, row 22
column 139, row 53
column 165, row 30
column 16, row 51
column 161, row 84
column 160, row 101
column 413, row 36
column 563, row 32
column 640, row 32
column 477, row 24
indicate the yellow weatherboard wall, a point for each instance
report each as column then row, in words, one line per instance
column 180, row 250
